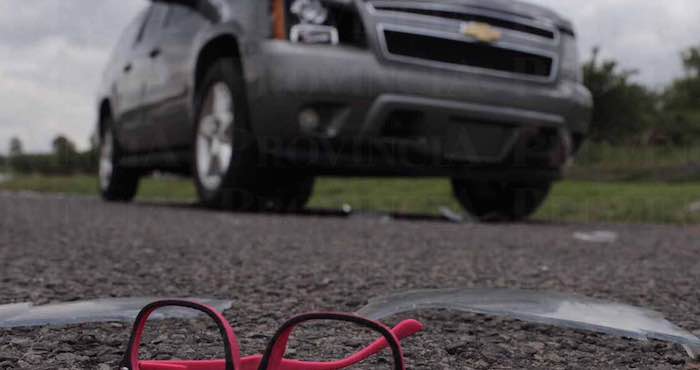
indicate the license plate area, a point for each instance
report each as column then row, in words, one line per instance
column 477, row 141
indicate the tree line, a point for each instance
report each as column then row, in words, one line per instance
column 64, row 159
column 630, row 113
column 626, row 113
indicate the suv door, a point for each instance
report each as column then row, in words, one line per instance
column 139, row 134
column 127, row 91
column 167, row 89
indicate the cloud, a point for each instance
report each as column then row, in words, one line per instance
column 40, row 103
column 52, row 53
column 644, row 35
column 51, row 57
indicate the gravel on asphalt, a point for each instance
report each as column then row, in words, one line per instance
column 56, row 249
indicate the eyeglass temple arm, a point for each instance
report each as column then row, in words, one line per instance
column 402, row 331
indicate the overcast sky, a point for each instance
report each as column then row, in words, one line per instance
column 52, row 53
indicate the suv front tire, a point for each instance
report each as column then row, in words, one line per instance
column 223, row 150
column 492, row 201
column 227, row 169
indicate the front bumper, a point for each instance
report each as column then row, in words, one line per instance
column 284, row 77
column 361, row 93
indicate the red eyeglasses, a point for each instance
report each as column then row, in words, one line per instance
column 273, row 359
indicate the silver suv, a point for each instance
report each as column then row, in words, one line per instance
column 255, row 98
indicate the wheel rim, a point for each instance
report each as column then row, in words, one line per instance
column 106, row 160
column 214, row 147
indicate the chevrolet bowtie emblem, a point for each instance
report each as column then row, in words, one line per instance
column 482, row 32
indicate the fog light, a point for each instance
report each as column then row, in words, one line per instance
column 309, row 120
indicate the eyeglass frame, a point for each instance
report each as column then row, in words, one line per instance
column 273, row 358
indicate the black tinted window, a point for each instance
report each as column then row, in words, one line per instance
column 128, row 38
column 154, row 23
column 177, row 14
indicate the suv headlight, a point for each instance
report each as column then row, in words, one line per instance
column 304, row 21
column 309, row 11
column 570, row 63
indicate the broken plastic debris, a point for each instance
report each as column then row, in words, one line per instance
column 93, row 311
column 694, row 207
column 453, row 216
column 346, row 209
column 10, row 310
column 597, row 237
column 557, row 309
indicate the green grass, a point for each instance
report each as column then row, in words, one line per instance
column 579, row 201
column 604, row 162
column 571, row 201
column 150, row 188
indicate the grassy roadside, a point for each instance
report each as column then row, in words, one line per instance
column 605, row 162
column 571, row 201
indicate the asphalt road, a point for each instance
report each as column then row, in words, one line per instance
column 61, row 249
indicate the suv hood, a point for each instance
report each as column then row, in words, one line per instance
column 515, row 7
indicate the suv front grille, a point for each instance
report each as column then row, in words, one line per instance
column 472, row 17
column 456, row 53
column 435, row 34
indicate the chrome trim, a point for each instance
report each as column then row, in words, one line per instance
column 372, row 10
column 381, row 27
column 297, row 29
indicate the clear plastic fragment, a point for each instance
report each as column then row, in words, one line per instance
column 10, row 310
column 600, row 237
column 452, row 216
column 94, row 311
column 557, row 309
